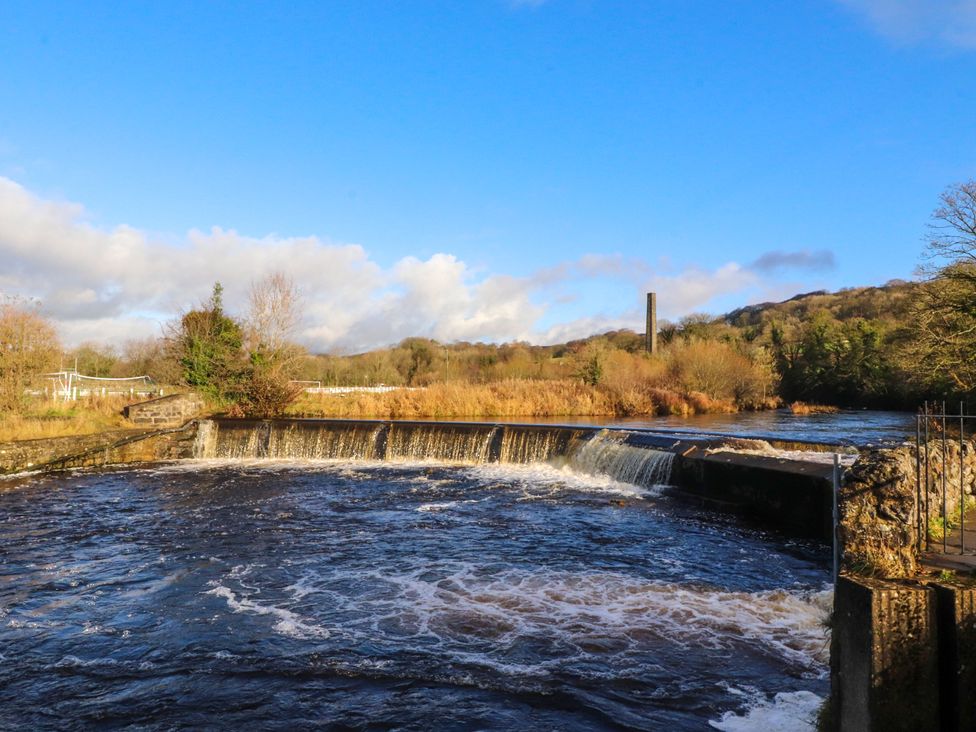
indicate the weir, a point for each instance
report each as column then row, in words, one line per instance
column 794, row 495
column 593, row 451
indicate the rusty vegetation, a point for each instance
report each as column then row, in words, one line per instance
column 888, row 346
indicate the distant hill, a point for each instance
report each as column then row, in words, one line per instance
column 889, row 302
column 841, row 348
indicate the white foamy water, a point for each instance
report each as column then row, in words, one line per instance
column 607, row 453
column 764, row 449
column 601, row 613
column 288, row 622
column 547, row 479
column 786, row 712
column 532, row 478
column 434, row 507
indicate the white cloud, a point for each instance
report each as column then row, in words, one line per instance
column 911, row 21
column 613, row 265
column 804, row 259
column 692, row 289
column 583, row 327
column 119, row 283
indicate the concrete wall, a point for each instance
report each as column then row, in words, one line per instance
column 167, row 411
column 956, row 610
column 884, row 656
column 793, row 496
column 903, row 656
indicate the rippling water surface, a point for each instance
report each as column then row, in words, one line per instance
column 851, row 427
column 414, row 596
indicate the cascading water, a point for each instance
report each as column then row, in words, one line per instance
column 303, row 440
column 355, row 441
column 606, row 452
column 465, row 445
column 205, row 444
column 539, row 444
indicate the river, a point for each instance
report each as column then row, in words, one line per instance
column 353, row 595
column 848, row 427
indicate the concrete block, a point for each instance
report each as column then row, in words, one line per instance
column 957, row 654
column 884, row 656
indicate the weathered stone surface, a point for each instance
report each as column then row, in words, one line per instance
column 877, row 521
column 884, row 656
column 957, row 654
column 103, row 448
column 167, row 411
column 883, row 508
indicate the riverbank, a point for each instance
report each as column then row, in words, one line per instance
column 86, row 416
column 529, row 398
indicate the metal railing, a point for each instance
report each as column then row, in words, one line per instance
column 935, row 431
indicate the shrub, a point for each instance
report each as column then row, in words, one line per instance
column 263, row 394
column 28, row 347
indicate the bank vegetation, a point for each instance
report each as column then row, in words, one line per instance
column 883, row 347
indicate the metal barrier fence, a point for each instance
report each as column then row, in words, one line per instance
column 935, row 439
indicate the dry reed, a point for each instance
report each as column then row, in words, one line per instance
column 83, row 417
column 802, row 408
column 509, row 398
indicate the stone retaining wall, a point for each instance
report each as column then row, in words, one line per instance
column 167, row 411
column 104, row 448
column 880, row 516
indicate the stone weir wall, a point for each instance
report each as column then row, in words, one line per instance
column 792, row 495
column 104, row 448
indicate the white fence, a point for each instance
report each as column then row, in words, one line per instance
column 355, row 389
column 68, row 386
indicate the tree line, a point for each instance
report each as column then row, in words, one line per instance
column 888, row 346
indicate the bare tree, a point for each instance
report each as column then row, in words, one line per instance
column 952, row 231
column 274, row 312
column 943, row 345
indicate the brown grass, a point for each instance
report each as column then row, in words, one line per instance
column 509, row 398
column 83, row 417
column 804, row 408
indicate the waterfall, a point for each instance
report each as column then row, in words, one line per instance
column 232, row 439
column 448, row 443
column 602, row 452
column 205, row 443
column 526, row 444
column 607, row 453
column 326, row 441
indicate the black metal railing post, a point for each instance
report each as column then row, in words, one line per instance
column 836, row 512
column 928, row 474
column 945, row 465
column 962, row 482
column 919, row 524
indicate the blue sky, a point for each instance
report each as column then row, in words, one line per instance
column 479, row 170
